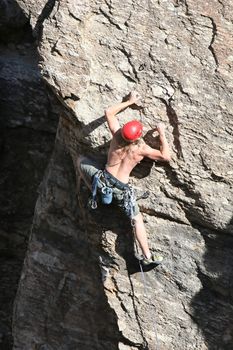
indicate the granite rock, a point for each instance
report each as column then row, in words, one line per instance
column 28, row 123
column 81, row 285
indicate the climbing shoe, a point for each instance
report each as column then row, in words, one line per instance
column 154, row 260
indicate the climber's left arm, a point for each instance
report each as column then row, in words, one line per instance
column 110, row 112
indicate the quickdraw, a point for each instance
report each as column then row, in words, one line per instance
column 106, row 190
column 129, row 201
column 96, row 179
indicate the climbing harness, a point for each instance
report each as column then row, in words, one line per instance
column 93, row 201
column 99, row 181
column 105, row 182
column 157, row 347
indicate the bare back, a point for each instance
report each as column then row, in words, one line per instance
column 123, row 158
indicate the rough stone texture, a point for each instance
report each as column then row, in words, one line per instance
column 81, row 288
column 28, row 124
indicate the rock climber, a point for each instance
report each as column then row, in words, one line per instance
column 127, row 149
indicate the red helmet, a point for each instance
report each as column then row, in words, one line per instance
column 131, row 131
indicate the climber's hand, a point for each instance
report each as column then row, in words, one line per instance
column 134, row 97
column 160, row 128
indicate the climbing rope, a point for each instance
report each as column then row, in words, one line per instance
column 145, row 285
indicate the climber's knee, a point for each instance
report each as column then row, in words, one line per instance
column 87, row 168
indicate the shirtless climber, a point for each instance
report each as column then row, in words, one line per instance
column 127, row 149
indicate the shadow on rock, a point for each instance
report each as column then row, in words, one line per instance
column 212, row 307
column 28, row 127
column 76, row 312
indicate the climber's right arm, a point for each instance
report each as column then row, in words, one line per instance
column 164, row 153
column 110, row 112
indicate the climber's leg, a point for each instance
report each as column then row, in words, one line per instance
column 86, row 168
column 141, row 236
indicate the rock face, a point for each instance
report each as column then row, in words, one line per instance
column 81, row 287
column 28, row 124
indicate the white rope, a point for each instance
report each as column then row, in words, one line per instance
column 157, row 347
